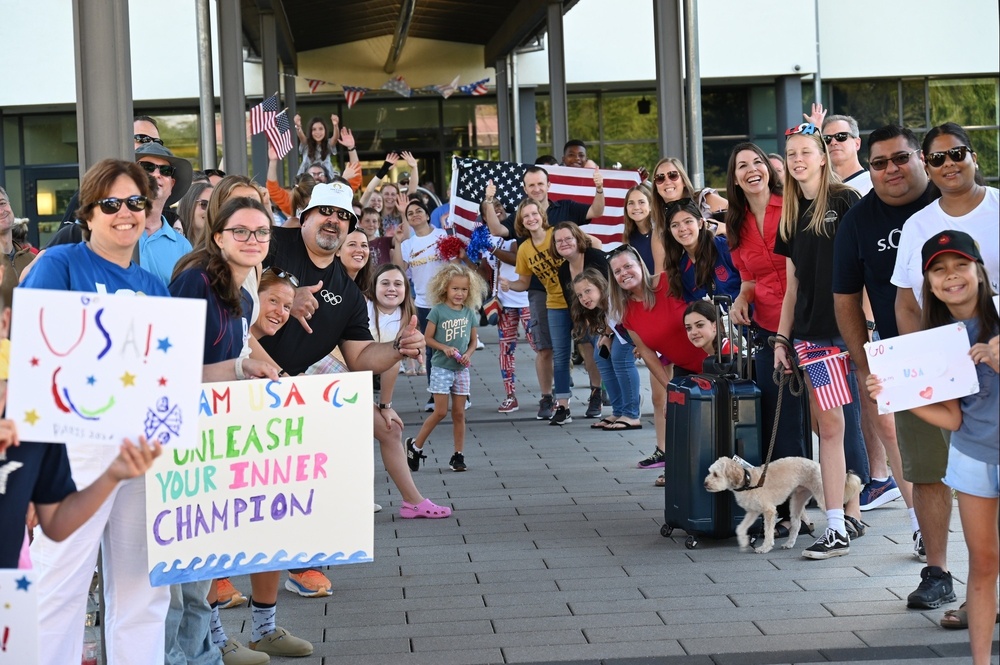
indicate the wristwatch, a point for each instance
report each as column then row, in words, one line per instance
column 383, row 407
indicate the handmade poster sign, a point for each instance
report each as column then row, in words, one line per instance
column 99, row 368
column 18, row 617
column 923, row 368
column 282, row 477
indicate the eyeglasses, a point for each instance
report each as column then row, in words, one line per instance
column 880, row 163
column 202, row 203
column 216, row 172
column 565, row 241
column 660, row 177
column 957, row 154
column 166, row 170
column 241, row 234
column 146, row 138
column 110, row 206
column 804, row 128
column 840, row 136
column 282, row 274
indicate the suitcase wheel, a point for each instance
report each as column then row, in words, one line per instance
column 691, row 542
column 666, row 530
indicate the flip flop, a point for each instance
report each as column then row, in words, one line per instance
column 603, row 423
column 624, row 426
column 958, row 619
column 661, row 481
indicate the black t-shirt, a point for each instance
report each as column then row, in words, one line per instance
column 342, row 313
column 36, row 472
column 592, row 258
column 865, row 253
column 812, row 255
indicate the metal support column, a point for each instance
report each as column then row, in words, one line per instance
column 292, row 158
column 528, row 151
column 269, row 67
column 788, row 105
column 206, row 86
column 558, row 114
column 515, row 104
column 695, row 160
column 503, row 108
column 669, row 77
column 103, row 81
column 233, row 97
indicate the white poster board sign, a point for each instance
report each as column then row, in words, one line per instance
column 18, row 617
column 923, row 368
column 99, row 368
column 282, row 477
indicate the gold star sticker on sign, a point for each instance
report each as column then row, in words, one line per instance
column 31, row 417
column 127, row 379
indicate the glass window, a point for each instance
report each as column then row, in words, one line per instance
column 631, row 155
column 582, row 112
column 964, row 101
column 14, row 191
column 914, row 104
column 622, row 120
column 872, row 103
column 716, row 160
column 180, row 135
column 543, row 118
column 763, row 111
column 11, row 142
column 985, row 142
column 725, row 112
column 50, row 139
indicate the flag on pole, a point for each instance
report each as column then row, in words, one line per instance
column 353, row 94
column 262, row 115
column 469, row 178
column 314, row 84
column 827, row 368
column 398, row 85
column 475, row 89
column 448, row 89
column 279, row 134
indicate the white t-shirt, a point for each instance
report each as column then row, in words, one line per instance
column 862, row 181
column 388, row 324
column 420, row 254
column 983, row 224
column 512, row 299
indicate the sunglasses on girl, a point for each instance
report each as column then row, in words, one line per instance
column 283, row 274
column 880, row 163
column 215, row 172
column 660, row 177
column 166, row 170
column 202, row 203
column 957, row 154
column 110, row 206
column 621, row 249
column 840, row 136
column 145, row 138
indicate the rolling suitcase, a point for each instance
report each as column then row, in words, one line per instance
column 709, row 415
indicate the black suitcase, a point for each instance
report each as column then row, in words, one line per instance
column 709, row 415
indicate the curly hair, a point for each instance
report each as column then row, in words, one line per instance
column 437, row 287
column 590, row 322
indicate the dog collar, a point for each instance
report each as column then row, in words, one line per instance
column 746, row 482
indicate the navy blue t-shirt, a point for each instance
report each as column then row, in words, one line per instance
column 725, row 276
column 225, row 334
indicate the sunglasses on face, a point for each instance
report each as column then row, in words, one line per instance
column 660, row 177
column 145, row 138
column 957, row 154
column 840, row 136
column 283, row 274
column 241, row 234
column 329, row 211
column 804, row 128
column 110, row 206
column 881, row 163
column 166, row 170
column 202, row 203
column 215, row 172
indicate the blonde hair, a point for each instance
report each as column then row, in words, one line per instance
column 619, row 297
column 437, row 288
column 829, row 183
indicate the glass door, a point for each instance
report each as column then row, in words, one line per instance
column 47, row 193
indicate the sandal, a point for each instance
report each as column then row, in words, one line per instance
column 622, row 426
column 958, row 619
column 425, row 508
column 855, row 527
column 603, row 423
column 661, row 481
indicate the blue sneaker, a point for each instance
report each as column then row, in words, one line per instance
column 876, row 494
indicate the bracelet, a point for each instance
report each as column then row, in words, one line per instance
column 781, row 339
column 397, row 346
column 600, row 190
column 384, row 171
column 239, row 369
column 489, row 200
column 351, row 149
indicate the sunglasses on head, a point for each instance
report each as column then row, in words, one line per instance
column 840, row 136
column 880, row 163
column 329, row 211
column 660, row 177
column 804, row 128
column 110, row 206
column 957, row 154
column 146, row 138
column 674, row 206
column 621, row 249
column 166, row 170
column 215, row 172
column 283, row 274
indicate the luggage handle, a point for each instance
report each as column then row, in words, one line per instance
column 719, row 301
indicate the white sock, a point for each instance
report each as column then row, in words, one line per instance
column 914, row 525
column 219, row 638
column 879, row 480
column 263, row 620
column 835, row 520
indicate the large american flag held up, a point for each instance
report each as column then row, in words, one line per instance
column 827, row 368
column 468, row 189
column 262, row 115
column 279, row 134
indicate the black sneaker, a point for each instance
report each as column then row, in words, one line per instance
column 561, row 416
column 657, row 460
column 830, row 544
column 918, row 546
column 457, row 462
column 413, row 456
column 935, row 590
column 544, row 408
column 594, row 405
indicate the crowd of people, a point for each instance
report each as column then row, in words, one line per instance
column 812, row 249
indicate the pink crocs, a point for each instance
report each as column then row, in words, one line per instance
column 425, row 508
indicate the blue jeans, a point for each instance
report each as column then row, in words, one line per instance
column 562, row 344
column 620, row 378
column 188, row 632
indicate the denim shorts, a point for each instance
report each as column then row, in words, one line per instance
column 970, row 476
column 445, row 381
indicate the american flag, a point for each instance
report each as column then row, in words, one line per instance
column 468, row 189
column 827, row 368
column 314, row 85
column 279, row 134
column 353, row 94
column 447, row 89
column 475, row 89
column 397, row 85
column 262, row 115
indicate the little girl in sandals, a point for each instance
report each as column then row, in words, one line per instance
column 956, row 288
column 589, row 312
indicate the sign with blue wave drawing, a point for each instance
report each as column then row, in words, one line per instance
column 282, row 477
column 98, row 367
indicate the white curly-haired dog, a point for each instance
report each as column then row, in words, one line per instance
column 795, row 477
